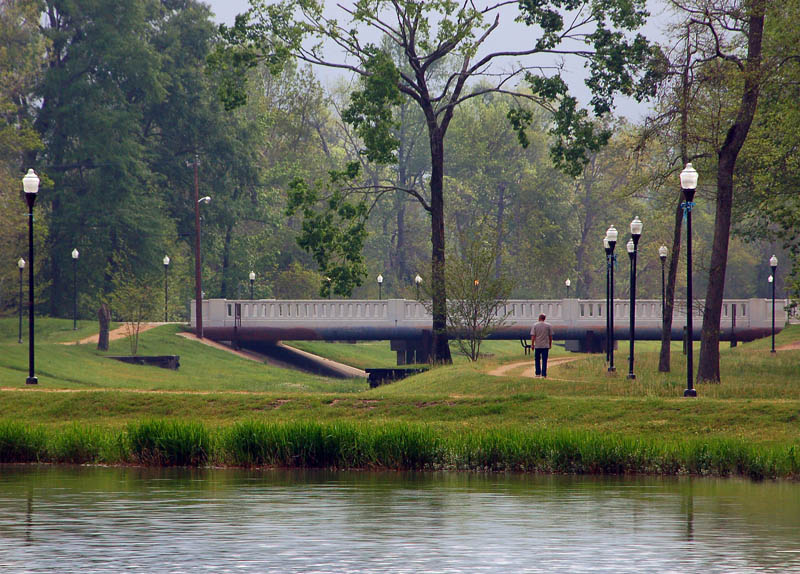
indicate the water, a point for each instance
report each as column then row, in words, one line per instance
column 143, row 520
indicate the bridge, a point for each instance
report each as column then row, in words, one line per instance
column 407, row 324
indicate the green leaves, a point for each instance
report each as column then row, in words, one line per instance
column 333, row 229
column 370, row 109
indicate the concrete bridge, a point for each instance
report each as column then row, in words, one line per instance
column 407, row 324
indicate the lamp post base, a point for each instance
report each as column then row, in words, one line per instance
column 31, row 381
column 611, row 372
column 772, row 351
column 631, row 376
column 690, row 393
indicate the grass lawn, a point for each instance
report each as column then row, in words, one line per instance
column 758, row 401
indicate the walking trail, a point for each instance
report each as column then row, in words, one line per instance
column 118, row 333
column 529, row 370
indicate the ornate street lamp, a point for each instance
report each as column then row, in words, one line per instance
column 30, row 183
column 662, row 254
column 689, row 186
column 418, row 282
column 607, row 249
column 633, row 251
column 611, row 235
column 773, row 264
column 21, row 265
column 166, row 286
column 330, row 289
column 75, row 255
column 252, row 282
column 380, row 284
column 567, row 283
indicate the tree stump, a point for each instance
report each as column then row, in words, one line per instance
column 104, row 316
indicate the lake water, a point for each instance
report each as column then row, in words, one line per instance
column 89, row 519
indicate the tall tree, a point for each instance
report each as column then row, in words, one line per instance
column 430, row 33
column 746, row 19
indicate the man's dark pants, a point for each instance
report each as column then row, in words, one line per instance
column 540, row 361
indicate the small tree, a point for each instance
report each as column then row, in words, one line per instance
column 134, row 300
column 476, row 296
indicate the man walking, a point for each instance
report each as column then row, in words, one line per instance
column 542, row 340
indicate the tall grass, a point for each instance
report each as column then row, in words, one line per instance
column 393, row 446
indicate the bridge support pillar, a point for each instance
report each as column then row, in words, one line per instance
column 411, row 351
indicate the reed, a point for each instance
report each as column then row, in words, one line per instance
column 20, row 443
column 168, row 443
column 394, row 446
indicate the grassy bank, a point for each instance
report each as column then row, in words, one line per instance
column 90, row 408
column 390, row 446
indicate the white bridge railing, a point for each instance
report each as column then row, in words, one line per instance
column 398, row 313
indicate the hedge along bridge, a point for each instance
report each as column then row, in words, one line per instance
column 407, row 324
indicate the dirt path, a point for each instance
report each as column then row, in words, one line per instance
column 252, row 356
column 113, row 335
column 529, row 371
column 793, row 346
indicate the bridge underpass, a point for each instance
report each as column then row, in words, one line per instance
column 581, row 323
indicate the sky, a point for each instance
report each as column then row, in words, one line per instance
column 226, row 10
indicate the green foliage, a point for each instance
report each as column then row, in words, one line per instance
column 169, row 443
column 333, row 229
column 370, row 109
column 133, row 302
column 476, row 296
column 296, row 282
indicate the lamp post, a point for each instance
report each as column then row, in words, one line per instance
column 75, row 255
column 662, row 254
column 418, row 282
column 689, row 186
column 198, row 260
column 21, row 265
column 328, row 279
column 252, row 282
column 166, row 286
column 30, row 183
column 773, row 264
column 607, row 249
column 380, row 284
column 567, row 283
column 633, row 251
column 611, row 235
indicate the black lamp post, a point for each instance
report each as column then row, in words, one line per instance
column 330, row 289
column 75, row 255
column 380, row 284
column 611, row 235
column 30, row 183
column 166, row 286
column 773, row 264
column 633, row 251
column 21, row 265
column 252, row 283
column 662, row 254
column 567, row 283
column 689, row 186
column 417, row 281
column 607, row 249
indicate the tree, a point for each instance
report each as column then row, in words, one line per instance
column 476, row 295
column 21, row 56
column 742, row 56
column 438, row 33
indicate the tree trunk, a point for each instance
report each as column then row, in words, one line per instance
column 501, row 207
column 441, row 348
column 669, row 297
column 104, row 317
column 708, row 367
